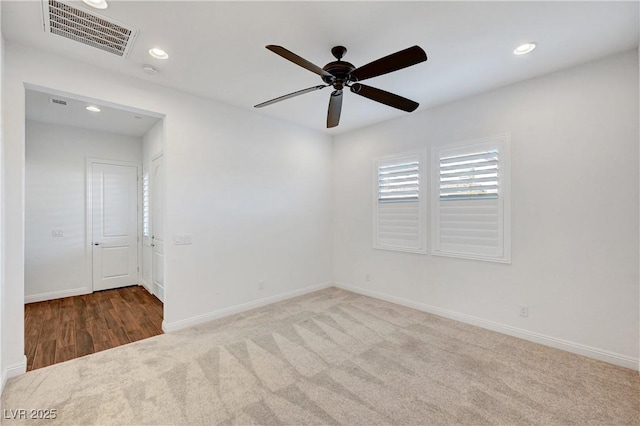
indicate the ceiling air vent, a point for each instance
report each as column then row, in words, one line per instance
column 87, row 28
column 58, row 101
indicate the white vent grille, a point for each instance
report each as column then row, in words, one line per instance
column 58, row 101
column 87, row 28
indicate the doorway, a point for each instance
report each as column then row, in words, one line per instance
column 84, row 289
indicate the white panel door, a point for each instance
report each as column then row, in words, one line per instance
column 157, row 227
column 114, row 199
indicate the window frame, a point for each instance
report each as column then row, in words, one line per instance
column 422, row 201
column 503, row 144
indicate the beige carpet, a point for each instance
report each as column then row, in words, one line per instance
column 331, row 357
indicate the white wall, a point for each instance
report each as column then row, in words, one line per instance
column 55, row 189
column 574, row 212
column 152, row 148
column 255, row 194
column 4, row 367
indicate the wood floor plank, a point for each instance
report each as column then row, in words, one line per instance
column 30, row 345
column 67, row 328
column 79, row 310
column 33, row 325
column 126, row 295
column 93, row 308
column 100, row 334
column 118, row 303
column 49, row 330
column 45, row 354
column 118, row 336
column 105, row 303
column 148, row 328
column 65, row 353
column 66, row 334
column 84, row 343
column 139, row 296
column 52, row 309
column 67, row 313
column 111, row 318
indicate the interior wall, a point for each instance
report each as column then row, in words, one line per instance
column 4, row 367
column 254, row 194
column 574, row 216
column 55, row 198
column 152, row 144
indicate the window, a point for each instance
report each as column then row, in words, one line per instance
column 399, row 204
column 470, row 200
column 146, row 231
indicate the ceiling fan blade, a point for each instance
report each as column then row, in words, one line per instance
column 335, row 107
column 279, row 50
column 290, row 95
column 384, row 97
column 395, row 61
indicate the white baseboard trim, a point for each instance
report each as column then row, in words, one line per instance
column 13, row 371
column 41, row 297
column 577, row 348
column 146, row 285
column 190, row 322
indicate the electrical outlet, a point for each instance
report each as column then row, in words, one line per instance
column 261, row 285
column 524, row 310
column 367, row 277
column 57, row 233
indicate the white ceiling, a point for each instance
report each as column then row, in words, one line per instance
column 110, row 119
column 217, row 48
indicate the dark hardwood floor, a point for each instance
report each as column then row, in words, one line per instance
column 63, row 329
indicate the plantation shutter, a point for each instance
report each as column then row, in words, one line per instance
column 469, row 176
column 146, row 232
column 399, row 210
column 469, row 192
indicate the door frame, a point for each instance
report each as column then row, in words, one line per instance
column 152, row 284
column 88, row 250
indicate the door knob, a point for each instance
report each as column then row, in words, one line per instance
column 96, row 244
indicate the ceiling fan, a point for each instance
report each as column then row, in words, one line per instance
column 341, row 74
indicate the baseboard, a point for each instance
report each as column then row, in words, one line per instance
column 577, row 348
column 146, row 285
column 13, row 371
column 190, row 322
column 41, row 297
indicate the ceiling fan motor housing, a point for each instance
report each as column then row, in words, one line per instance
column 340, row 71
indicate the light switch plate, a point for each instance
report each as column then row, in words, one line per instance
column 57, row 233
column 182, row 239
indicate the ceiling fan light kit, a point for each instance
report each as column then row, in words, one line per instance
column 340, row 74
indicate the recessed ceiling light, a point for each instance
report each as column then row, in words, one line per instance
column 98, row 4
column 149, row 69
column 158, row 53
column 525, row 48
column 93, row 108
